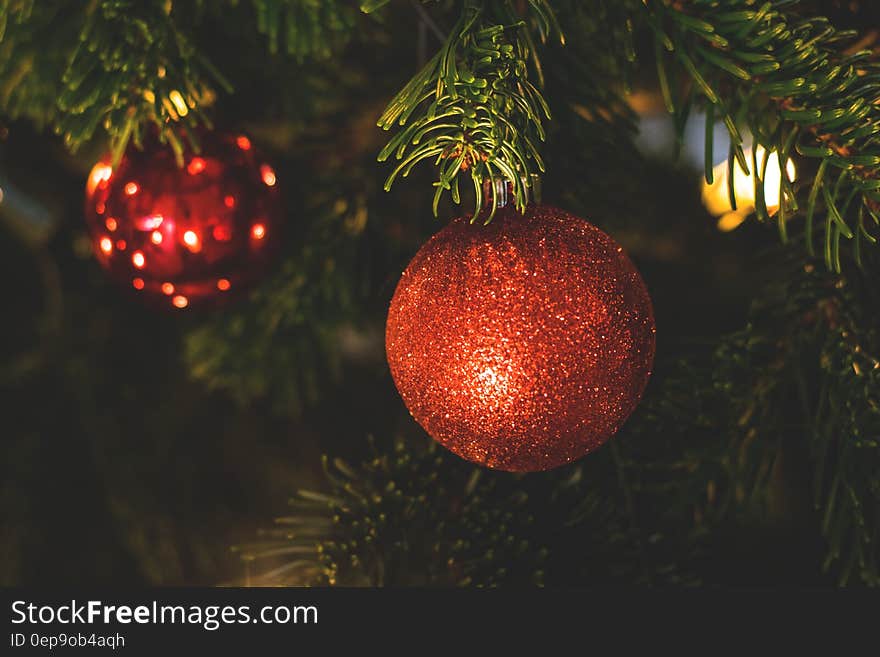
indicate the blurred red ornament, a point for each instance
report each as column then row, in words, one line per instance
column 522, row 345
column 190, row 236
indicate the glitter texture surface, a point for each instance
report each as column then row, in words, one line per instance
column 182, row 237
column 522, row 345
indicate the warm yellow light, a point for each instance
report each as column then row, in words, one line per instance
column 167, row 288
column 180, row 301
column 192, row 241
column 138, row 259
column 111, row 224
column 730, row 221
column 106, row 245
column 258, row 231
column 156, row 237
column 100, row 173
column 179, row 104
column 716, row 197
column 268, row 175
column 223, row 284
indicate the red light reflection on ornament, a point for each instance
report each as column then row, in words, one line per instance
column 196, row 166
column 138, row 283
column 120, row 244
column 258, row 231
column 229, row 201
column 100, row 207
column 223, row 284
column 180, row 301
column 221, row 233
column 491, row 383
column 106, row 245
column 167, row 288
column 98, row 177
column 131, row 188
column 192, row 241
column 243, row 143
column 111, row 224
column 151, row 222
column 138, row 259
column 267, row 174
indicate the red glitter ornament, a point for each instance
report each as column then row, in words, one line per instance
column 185, row 236
column 522, row 345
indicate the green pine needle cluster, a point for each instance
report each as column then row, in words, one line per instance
column 307, row 28
column 472, row 108
column 404, row 518
column 121, row 67
column 800, row 86
column 801, row 382
column 118, row 65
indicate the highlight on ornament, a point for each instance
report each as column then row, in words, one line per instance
column 523, row 344
column 183, row 237
column 716, row 196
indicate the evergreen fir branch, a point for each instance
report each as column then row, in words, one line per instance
column 845, row 432
column 29, row 70
column 134, row 66
column 416, row 515
column 308, row 28
column 472, row 108
column 117, row 64
column 409, row 517
column 794, row 83
column 804, row 376
column 593, row 128
column 283, row 344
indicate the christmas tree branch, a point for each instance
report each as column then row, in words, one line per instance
column 119, row 64
column 308, row 28
column 472, row 108
column 284, row 343
column 803, row 376
column 147, row 72
column 844, row 439
column 404, row 518
column 797, row 87
column 415, row 515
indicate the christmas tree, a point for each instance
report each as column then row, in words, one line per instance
column 440, row 292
